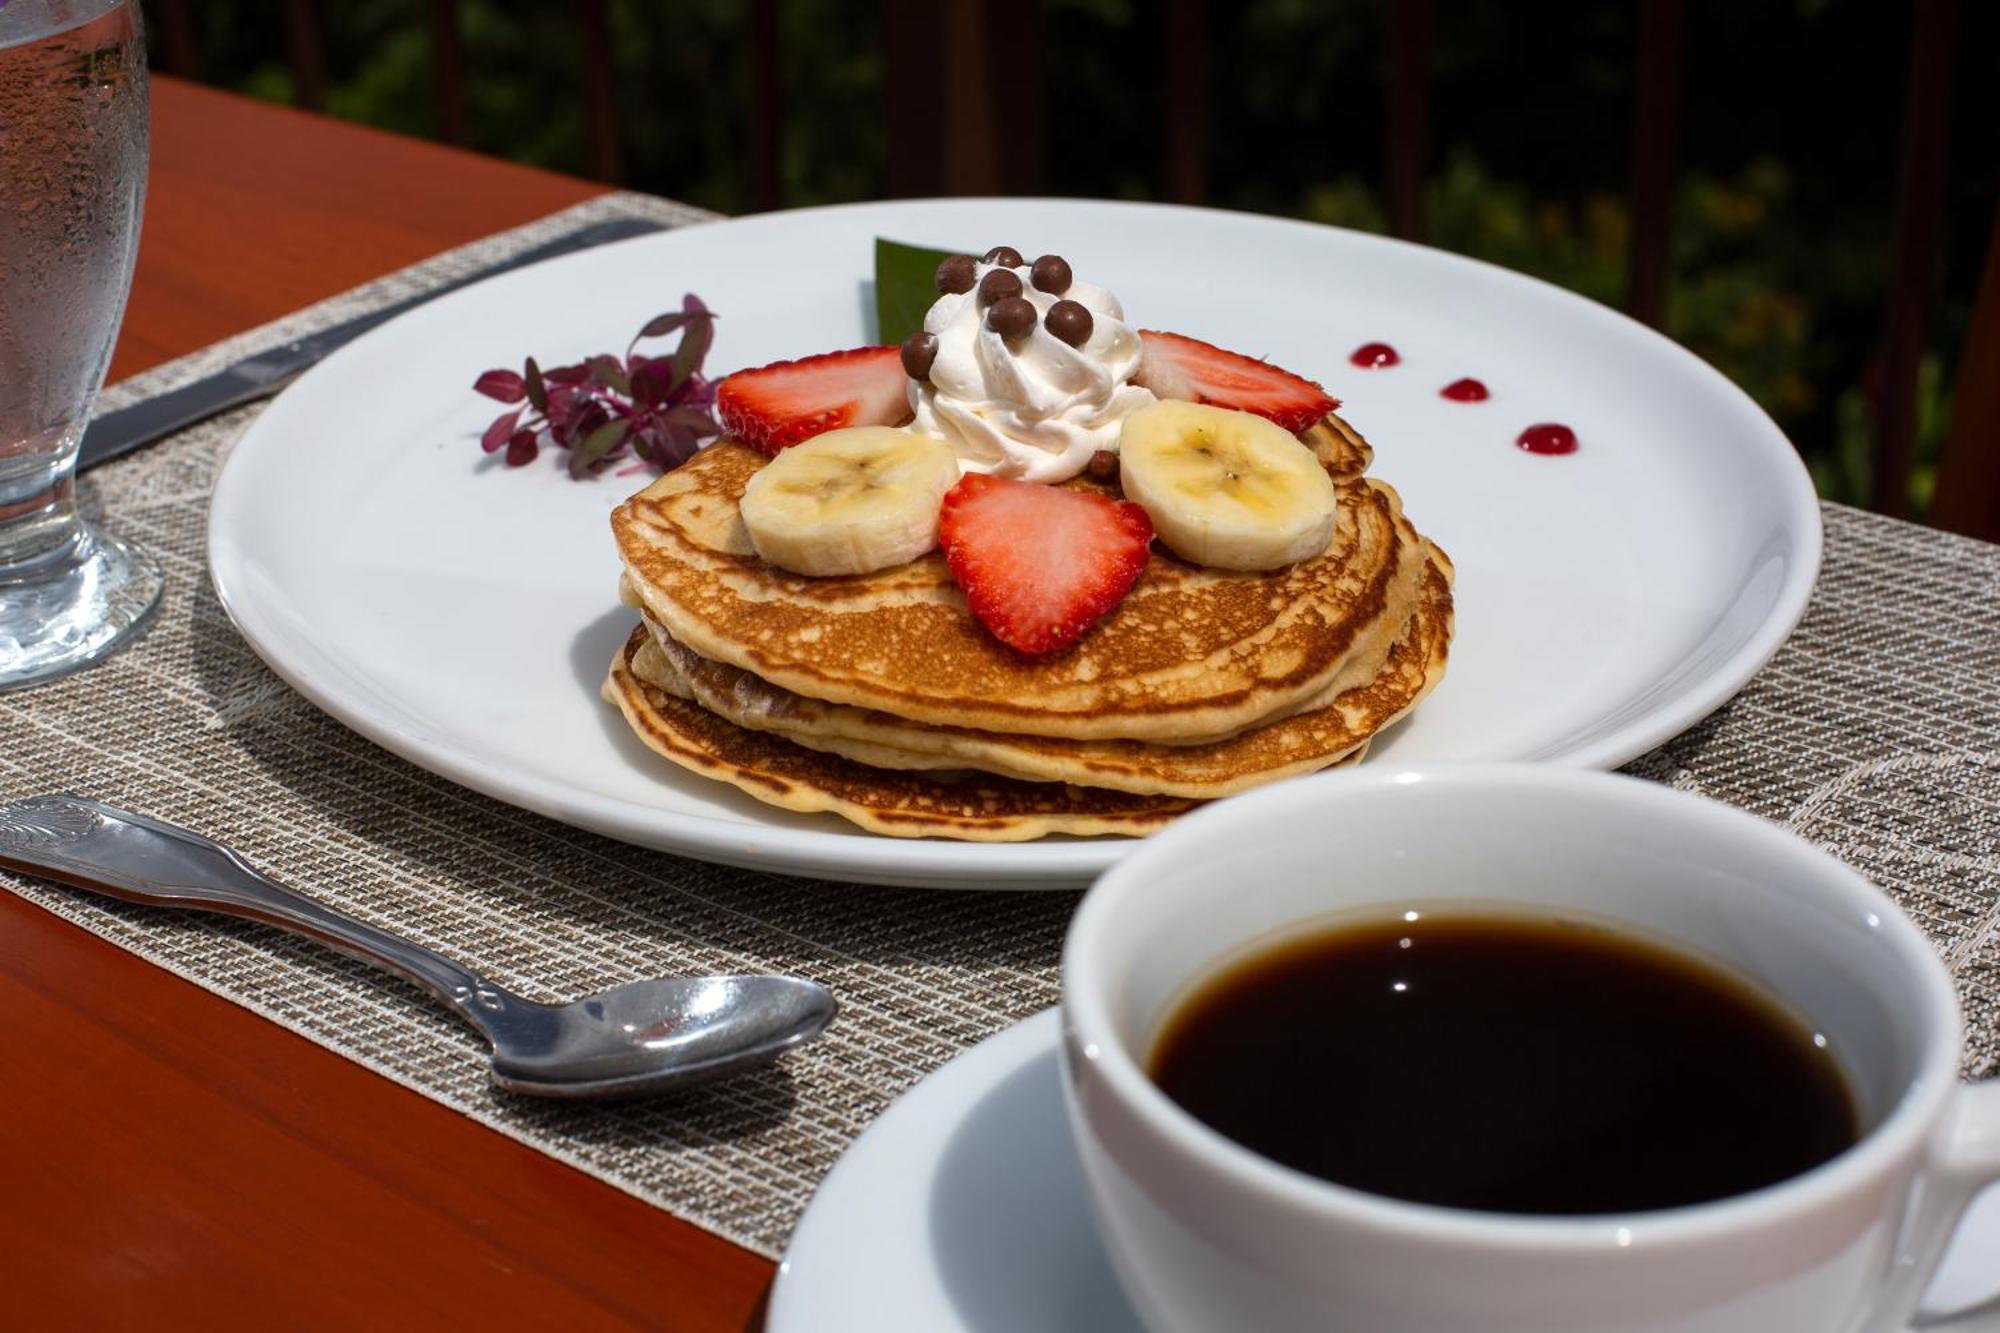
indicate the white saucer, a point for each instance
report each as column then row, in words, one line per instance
column 961, row 1210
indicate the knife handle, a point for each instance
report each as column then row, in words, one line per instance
column 113, row 434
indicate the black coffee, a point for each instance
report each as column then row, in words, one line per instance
column 1505, row 1063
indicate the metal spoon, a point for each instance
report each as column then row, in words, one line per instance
column 642, row 1037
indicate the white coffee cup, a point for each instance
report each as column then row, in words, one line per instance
column 1208, row 1235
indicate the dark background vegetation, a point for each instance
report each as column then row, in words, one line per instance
column 1789, row 140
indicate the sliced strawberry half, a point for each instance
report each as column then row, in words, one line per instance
column 776, row 406
column 1040, row 564
column 1188, row 369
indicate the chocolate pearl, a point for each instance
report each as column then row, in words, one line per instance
column 1051, row 274
column 955, row 274
column 1011, row 317
column 998, row 286
column 919, row 352
column 1103, row 465
column 1070, row 322
column 1004, row 255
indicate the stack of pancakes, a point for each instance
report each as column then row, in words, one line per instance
column 878, row 697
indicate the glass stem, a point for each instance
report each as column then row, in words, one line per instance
column 39, row 527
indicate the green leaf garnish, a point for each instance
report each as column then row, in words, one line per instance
column 598, row 445
column 905, row 287
column 538, row 392
column 610, row 372
column 694, row 345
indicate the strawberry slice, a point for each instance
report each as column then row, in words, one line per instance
column 1177, row 366
column 776, row 406
column 1040, row 564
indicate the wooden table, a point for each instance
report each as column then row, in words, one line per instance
column 172, row 1160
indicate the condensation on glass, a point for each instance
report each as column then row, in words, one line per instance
column 73, row 127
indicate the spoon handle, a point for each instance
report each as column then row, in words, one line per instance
column 115, row 852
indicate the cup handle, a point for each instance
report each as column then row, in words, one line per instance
column 1965, row 1160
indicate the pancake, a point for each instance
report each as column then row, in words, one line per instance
column 974, row 807
column 1191, row 654
column 1339, row 447
column 1385, row 687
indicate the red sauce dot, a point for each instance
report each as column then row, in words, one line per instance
column 1375, row 356
column 1548, row 438
column 1467, row 390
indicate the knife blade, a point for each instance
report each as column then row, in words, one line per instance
column 117, row 433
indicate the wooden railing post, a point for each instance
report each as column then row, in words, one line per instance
column 1184, row 94
column 972, row 131
column 177, row 49
column 962, row 96
column 913, row 92
column 1655, row 148
column 1968, row 479
column 1914, row 248
column 1010, row 35
column 600, row 107
column 1406, row 115
column 447, row 72
column 308, row 63
column 763, row 120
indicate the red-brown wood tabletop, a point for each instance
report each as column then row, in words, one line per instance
column 171, row 1160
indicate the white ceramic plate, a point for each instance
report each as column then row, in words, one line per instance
column 961, row 1210
column 462, row 614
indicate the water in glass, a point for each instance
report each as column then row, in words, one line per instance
column 72, row 181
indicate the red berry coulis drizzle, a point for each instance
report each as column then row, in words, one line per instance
column 1547, row 438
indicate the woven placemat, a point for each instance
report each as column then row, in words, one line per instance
column 1876, row 733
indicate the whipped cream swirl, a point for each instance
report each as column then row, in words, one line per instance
column 1033, row 407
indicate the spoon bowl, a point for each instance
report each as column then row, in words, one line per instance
column 650, row 1036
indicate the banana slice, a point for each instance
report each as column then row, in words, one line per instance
column 849, row 501
column 1226, row 489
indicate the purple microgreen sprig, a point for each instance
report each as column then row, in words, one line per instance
column 660, row 408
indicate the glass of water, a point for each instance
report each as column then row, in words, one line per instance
column 72, row 182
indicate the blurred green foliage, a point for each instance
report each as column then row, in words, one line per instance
column 1781, row 228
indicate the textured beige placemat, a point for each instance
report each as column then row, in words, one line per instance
column 1875, row 733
